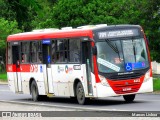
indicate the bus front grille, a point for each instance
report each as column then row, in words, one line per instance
column 125, row 77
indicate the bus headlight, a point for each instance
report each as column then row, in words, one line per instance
column 147, row 76
column 103, row 81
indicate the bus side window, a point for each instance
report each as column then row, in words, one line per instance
column 39, row 57
column 9, row 53
column 66, row 42
column 74, row 50
column 60, row 51
column 33, row 51
column 39, row 51
column 25, row 52
column 22, row 57
column 53, row 51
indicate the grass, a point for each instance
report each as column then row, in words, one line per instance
column 156, row 84
column 3, row 76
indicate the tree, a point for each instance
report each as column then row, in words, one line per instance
column 24, row 10
column 35, row 14
column 6, row 28
column 4, row 12
column 43, row 19
column 77, row 13
column 145, row 13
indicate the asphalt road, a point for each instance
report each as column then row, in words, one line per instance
column 143, row 102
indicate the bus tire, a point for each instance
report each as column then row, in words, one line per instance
column 129, row 98
column 34, row 91
column 80, row 94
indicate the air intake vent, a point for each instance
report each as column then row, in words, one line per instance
column 125, row 77
column 101, row 25
column 66, row 28
column 85, row 26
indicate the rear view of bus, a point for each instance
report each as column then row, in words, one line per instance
column 123, row 62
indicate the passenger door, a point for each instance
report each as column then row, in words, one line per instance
column 16, row 66
column 87, row 60
column 46, row 49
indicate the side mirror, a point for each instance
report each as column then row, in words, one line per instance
column 86, row 39
column 94, row 50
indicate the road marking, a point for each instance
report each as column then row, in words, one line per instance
column 5, row 91
column 61, row 106
column 146, row 100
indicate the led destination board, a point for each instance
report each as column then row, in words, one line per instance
column 118, row 33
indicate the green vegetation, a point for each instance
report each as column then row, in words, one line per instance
column 3, row 77
column 26, row 15
column 6, row 27
column 156, row 84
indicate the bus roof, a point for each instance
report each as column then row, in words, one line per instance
column 81, row 31
column 49, row 34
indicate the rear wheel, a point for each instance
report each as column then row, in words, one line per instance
column 34, row 91
column 129, row 98
column 80, row 94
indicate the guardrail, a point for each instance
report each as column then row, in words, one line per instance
column 155, row 67
column 156, row 75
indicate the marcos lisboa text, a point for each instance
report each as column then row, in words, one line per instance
column 144, row 115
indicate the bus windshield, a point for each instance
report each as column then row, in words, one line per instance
column 121, row 55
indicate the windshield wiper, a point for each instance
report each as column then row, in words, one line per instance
column 114, row 47
column 134, row 50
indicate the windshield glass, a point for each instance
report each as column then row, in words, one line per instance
column 121, row 55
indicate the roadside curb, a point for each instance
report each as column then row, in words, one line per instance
column 155, row 93
column 3, row 83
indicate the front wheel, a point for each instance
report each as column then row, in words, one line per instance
column 129, row 98
column 34, row 92
column 80, row 94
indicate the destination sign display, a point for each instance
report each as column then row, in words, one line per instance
column 46, row 41
column 118, row 33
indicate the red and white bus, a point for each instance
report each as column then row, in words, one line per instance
column 85, row 62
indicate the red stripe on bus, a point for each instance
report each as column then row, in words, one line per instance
column 96, row 69
column 52, row 35
column 11, row 68
column 94, row 58
column 21, row 68
column 25, row 67
column 149, row 58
